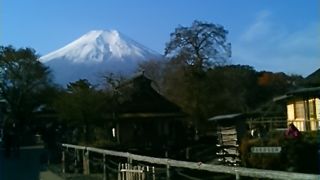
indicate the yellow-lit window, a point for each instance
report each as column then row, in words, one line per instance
column 299, row 110
column 312, row 109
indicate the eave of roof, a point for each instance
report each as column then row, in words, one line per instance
column 226, row 116
column 306, row 90
column 150, row 115
column 310, row 92
column 280, row 98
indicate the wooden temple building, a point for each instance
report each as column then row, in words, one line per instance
column 303, row 108
column 145, row 119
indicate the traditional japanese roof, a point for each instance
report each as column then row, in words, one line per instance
column 302, row 92
column 313, row 79
column 137, row 98
column 229, row 120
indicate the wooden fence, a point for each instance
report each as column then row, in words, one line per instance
column 168, row 163
column 282, row 123
column 128, row 172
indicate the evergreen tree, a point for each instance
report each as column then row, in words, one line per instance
column 23, row 81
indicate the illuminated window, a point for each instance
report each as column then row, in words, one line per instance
column 299, row 110
column 312, row 109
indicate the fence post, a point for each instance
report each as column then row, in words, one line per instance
column 104, row 168
column 129, row 158
column 187, row 153
column 63, row 158
column 237, row 175
column 168, row 169
column 75, row 161
column 119, row 171
column 153, row 173
column 86, row 162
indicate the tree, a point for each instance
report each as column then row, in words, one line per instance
column 202, row 45
column 231, row 89
column 221, row 90
column 193, row 51
column 23, row 79
column 83, row 108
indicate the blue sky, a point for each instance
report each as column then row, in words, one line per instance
column 273, row 35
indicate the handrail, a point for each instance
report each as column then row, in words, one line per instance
column 74, row 146
column 237, row 171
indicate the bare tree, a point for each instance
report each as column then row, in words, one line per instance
column 202, row 45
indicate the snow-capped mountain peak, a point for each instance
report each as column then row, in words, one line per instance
column 95, row 52
column 99, row 45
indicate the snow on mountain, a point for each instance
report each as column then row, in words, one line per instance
column 96, row 54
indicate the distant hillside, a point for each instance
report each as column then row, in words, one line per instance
column 313, row 79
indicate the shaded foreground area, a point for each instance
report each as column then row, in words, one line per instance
column 25, row 164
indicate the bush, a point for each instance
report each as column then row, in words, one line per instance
column 262, row 161
column 299, row 155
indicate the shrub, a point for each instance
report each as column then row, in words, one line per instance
column 299, row 155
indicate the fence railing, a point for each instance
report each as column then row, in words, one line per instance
column 168, row 163
column 268, row 122
column 282, row 122
column 306, row 125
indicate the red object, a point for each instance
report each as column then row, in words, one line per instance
column 292, row 132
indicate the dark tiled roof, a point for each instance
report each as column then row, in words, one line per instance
column 314, row 75
column 302, row 92
column 137, row 96
column 313, row 79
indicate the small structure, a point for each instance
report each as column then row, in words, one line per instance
column 230, row 130
column 145, row 119
column 303, row 108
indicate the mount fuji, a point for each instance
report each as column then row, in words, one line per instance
column 96, row 54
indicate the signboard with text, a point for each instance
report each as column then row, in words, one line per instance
column 266, row 150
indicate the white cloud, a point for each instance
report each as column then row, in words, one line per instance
column 259, row 28
column 267, row 45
